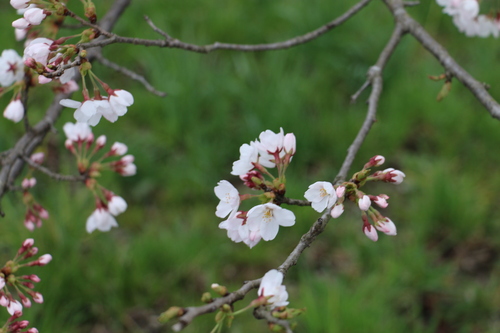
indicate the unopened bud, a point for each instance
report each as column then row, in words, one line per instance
column 172, row 312
column 206, row 298
column 221, row 290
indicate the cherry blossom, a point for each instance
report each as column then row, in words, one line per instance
column 78, row 132
column 229, row 198
column 248, row 156
column 101, row 219
column 381, row 200
column 14, row 306
column 124, row 166
column 38, row 49
column 322, row 195
column 267, row 218
column 14, row 111
column 116, row 205
column 119, row 100
column 271, row 286
column 11, row 68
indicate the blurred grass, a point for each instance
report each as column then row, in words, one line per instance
column 440, row 274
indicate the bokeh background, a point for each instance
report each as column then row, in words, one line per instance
column 439, row 274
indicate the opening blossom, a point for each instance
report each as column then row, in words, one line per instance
column 229, row 198
column 267, row 218
column 271, row 286
column 14, row 111
column 101, row 219
column 322, row 195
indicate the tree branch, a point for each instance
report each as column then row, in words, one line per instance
column 375, row 80
column 174, row 43
column 262, row 313
column 54, row 175
column 477, row 88
column 125, row 71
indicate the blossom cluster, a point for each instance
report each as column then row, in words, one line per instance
column 54, row 60
column 80, row 141
column 466, row 17
column 325, row 195
column 22, row 285
column 271, row 150
column 35, row 212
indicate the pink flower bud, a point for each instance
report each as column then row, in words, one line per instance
column 43, row 80
column 340, row 191
column 386, row 226
column 14, row 111
column 38, row 157
column 20, row 23
column 289, row 143
column 28, row 183
column 34, row 16
column 2, row 282
column 45, row 259
column 38, row 298
column 15, row 307
column 19, row 4
column 337, row 210
column 4, row 301
column 381, row 201
column 32, row 330
column 118, row 148
column 100, row 142
column 29, row 242
column 26, row 302
column 394, row 176
column 364, row 203
column 370, row 232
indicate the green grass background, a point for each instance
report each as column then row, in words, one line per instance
column 441, row 272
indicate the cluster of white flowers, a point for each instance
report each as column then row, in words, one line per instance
column 111, row 107
column 32, row 15
column 108, row 205
column 466, row 17
column 324, row 195
column 262, row 221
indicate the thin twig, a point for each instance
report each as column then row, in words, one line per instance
column 54, row 175
column 134, row 76
column 477, row 88
column 175, row 43
column 262, row 313
column 375, row 79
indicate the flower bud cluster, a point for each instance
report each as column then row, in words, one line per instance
column 80, row 141
column 271, row 150
column 22, row 285
column 324, row 195
column 35, row 212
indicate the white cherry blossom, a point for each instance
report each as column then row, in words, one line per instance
column 322, row 195
column 11, row 68
column 101, row 219
column 229, row 198
column 267, row 218
column 271, row 286
column 14, row 111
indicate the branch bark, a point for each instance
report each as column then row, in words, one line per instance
column 477, row 88
column 175, row 43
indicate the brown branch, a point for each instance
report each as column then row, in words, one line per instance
column 54, row 175
column 477, row 88
column 262, row 313
column 375, row 80
column 12, row 162
column 175, row 43
column 134, row 76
